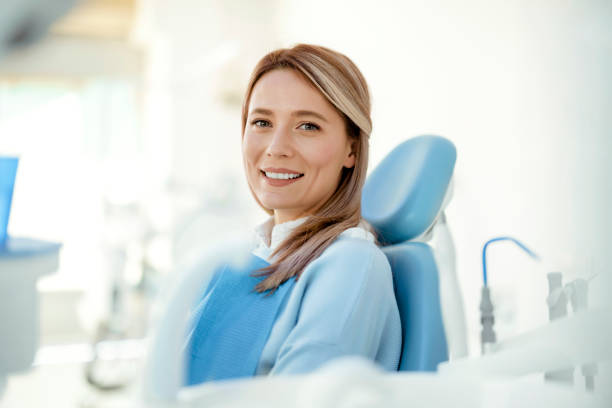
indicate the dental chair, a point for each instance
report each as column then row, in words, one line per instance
column 404, row 200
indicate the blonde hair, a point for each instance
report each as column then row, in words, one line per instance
column 343, row 85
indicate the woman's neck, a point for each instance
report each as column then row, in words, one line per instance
column 281, row 217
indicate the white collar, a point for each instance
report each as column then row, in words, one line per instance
column 268, row 236
column 271, row 235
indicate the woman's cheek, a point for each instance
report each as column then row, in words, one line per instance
column 249, row 150
column 323, row 155
column 248, row 160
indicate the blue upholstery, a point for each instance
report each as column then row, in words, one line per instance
column 401, row 199
column 415, row 278
column 413, row 180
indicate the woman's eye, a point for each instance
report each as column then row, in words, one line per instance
column 309, row 126
column 261, row 123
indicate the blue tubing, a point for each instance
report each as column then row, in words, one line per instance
column 484, row 253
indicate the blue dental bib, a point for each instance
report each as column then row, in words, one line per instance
column 232, row 324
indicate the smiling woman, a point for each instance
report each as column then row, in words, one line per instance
column 297, row 142
column 323, row 288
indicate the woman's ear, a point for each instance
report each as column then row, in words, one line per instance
column 349, row 160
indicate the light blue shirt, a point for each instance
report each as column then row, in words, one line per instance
column 343, row 304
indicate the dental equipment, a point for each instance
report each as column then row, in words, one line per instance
column 487, row 317
column 22, row 262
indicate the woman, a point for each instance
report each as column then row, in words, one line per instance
column 317, row 286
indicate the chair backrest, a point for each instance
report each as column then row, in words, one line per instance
column 402, row 199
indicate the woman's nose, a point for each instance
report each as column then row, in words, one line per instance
column 280, row 144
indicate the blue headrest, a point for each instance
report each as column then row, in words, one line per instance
column 403, row 195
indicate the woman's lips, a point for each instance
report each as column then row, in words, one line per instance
column 279, row 182
column 280, row 170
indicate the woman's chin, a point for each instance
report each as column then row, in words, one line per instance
column 277, row 205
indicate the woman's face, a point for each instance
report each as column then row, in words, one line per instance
column 294, row 145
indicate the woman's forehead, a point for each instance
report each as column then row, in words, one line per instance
column 285, row 90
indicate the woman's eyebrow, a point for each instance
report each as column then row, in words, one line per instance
column 309, row 113
column 268, row 112
column 261, row 111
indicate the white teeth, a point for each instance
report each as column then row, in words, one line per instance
column 281, row 176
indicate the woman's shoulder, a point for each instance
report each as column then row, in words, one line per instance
column 353, row 249
column 362, row 231
column 354, row 266
column 352, row 254
column 359, row 241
